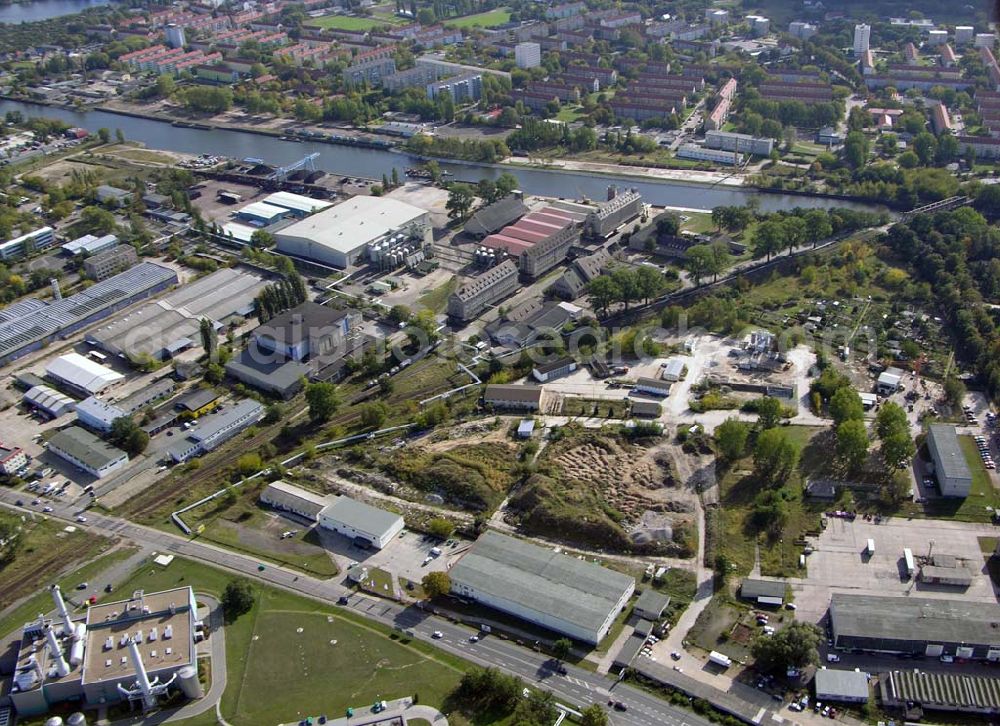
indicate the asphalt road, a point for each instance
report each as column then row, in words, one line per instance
column 578, row 688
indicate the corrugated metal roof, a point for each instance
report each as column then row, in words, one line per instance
column 361, row 516
column 845, row 684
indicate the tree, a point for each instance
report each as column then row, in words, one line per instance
column 897, row 450
column 668, row 224
column 852, row 443
column 856, row 149
column 954, row 390
column 649, row 283
column 731, row 438
column 209, row 337
column 561, row 648
column 794, row 646
column 119, row 136
column 374, row 414
column 698, row 260
column 890, row 419
column 436, row 584
column 769, row 238
column 537, row 709
column 104, row 135
column 845, row 405
column 128, row 436
column 441, row 528
column 774, row 458
column 460, row 198
column 988, row 200
column 261, row 239
column 237, row 599
column 323, row 401
column 594, row 715
column 720, row 258
column 602, row 291
column 399, row 314
column 249, row 463
column 925, row 147
column 768, row 412
column 96, row 220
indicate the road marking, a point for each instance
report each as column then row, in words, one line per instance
column 760, row 715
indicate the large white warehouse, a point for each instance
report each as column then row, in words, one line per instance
column 339, row 236
column 82, row 374
column 544, row 587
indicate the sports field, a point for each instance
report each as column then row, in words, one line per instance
column 490, row 19
column 349, row 22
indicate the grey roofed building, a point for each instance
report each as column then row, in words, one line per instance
column 570, row 596
column 511, row 396
column 197, row 399
column 81, row 447
column 293, row 325
column 50, row 400
column 923, row 626
column 940, row 691
column 647, row 409
column 359, row 520
column 950, row 465
column 752, row 589
column 494, row 217
column 288, row 497
column 281, row 377
column 839, row 685
column 651, row 604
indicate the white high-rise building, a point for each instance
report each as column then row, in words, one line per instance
column 937, row 37
column 862, row 39
column 528, row 55
column 964, row 34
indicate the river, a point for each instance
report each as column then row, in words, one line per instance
column 27, row 12
column 373, row 163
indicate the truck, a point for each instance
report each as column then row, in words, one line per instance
column 870, row 547
column 719, row 659
column 911, row 565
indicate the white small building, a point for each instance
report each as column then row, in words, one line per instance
column 653, row 387
column 290, row 498
column 12, row 459
column 673, row 370
column 49, row 401
column 361, row 522
column 82, row 374
column 87, row 452
column 937, row 37
column 888, row 381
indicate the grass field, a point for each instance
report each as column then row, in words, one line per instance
column 42, row 602
column 349, row 22
column 435, row 300
column 277, row 674
column 46, row 551
column 151, row 157
column 481, row 20
column 588, row 407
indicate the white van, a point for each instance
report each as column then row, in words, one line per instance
column 870, row 548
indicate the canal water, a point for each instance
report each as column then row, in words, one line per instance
column 44, row 9
column 373, row 163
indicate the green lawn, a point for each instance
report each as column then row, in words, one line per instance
column 982, row 499
column 569, row 114
column 436, row 298
column 277, row 674
column 489, row 19
column 350, row 22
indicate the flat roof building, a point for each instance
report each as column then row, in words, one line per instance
column 360, row 521
column 261, row 213
column 950, row 465
column 290, row 498
column 297, row 204
column 268, row 373
column 652, row 386
column 163, row 328
column 110, row 262
column 341, row 235
column 12, row 459
column 306, row 331
column 673, row 371
column 79, row 373
column 651, row 604
column 198, row 401
column 87, row 452
column 31, row 330
column 763, row 592
column 839, row 685
column 647, row 409
column 920, row 626
column 215, row 429
column 550, row 589
column 888, row 381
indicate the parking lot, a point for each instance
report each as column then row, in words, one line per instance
column 405, row 556
column 839, row 562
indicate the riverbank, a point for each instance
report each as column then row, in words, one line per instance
column 688, row 176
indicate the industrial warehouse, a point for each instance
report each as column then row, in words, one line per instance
column 345, row 234
column 31, row 323
column 130, row 650
column 920, row 626
column 170, row 325
column 569, row 596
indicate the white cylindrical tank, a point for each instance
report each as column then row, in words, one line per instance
column 76, row 719
column 80, row 632
column 187, row 679
column 76, row 653
column 54, row 721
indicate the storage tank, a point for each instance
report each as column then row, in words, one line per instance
column 76, row 719
column 187, row 679
column 76, row 653
column 54, row 721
